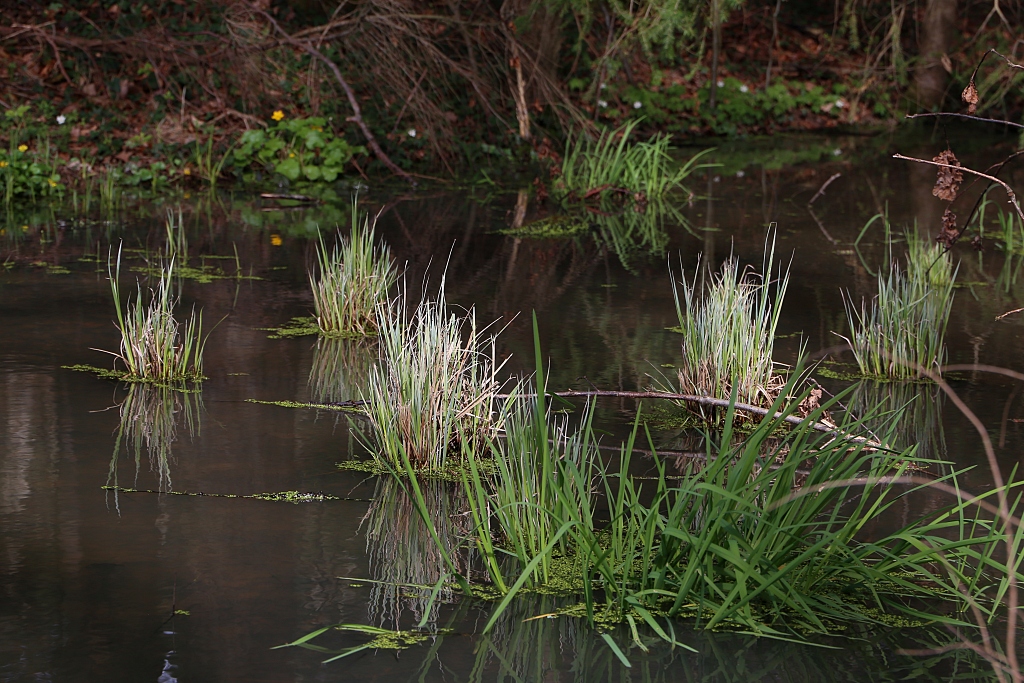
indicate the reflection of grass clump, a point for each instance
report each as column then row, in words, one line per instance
column 355, row 278
column 403, row 556
column 905, row 326
column 150, row 416
column 155, row 347
column 339, row 371
column 917, row 404
column 729, row 333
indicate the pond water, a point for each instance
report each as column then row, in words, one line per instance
column 101, row 585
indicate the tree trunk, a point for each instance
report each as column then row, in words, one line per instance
column 937, row 30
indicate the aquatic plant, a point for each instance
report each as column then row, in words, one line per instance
column 432, row 394
column 729, row 332
column 354, row 279
column 610, row 162
column 928, row 261
column 904, row 327
column 155, row 347
column 765, row 537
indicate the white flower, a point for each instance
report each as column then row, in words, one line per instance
column 721, row 84
column 717, row 178
column 61, row 119
column 740, row 174
column 412, row 132
column 744, row 88
column 602, row 103
column 637, row 105
column 603, row 86
column 840, row 104
column 836, row 152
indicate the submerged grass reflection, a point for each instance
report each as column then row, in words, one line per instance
column 913, row 410
column 340, row 369
column 150, row 419
column 405, row 561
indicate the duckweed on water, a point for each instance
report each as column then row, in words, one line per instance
column 124, row 376
column 276, row 497
column 302, row 326
column 552, row 227
column 352, row 406
column 202, row 274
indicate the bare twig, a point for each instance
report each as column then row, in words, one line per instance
column 821, row 190
column 1016, row 310
column 966, row 116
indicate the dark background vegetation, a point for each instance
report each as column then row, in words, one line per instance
column 446, row 86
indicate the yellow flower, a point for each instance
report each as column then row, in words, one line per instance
column 3, row 164
column 24, row 228
column 291, row 155
column 277, row 115
column 52, row 182
column 22, row 148
column 188, row 195
column 275, row 240
column 187, row 171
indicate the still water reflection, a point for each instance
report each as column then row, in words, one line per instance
column 144, row 586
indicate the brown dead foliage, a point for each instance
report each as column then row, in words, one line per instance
column 947, row 184
column 970, row 97
column 949, row 234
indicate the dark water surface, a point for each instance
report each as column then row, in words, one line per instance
column 90, row 580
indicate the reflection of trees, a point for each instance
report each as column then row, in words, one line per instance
column 402, row 553
column 340, row 369
column 150, row 418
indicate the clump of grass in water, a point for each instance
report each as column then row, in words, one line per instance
column 729, row 333
column 905, row 325
column 764, row 538
column 433, row 390
column 354, row 279
column 611, row 162
column 155, row 347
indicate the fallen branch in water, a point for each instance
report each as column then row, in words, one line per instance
column 706, row 401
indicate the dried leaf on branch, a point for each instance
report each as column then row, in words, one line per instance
column 949, row 234
column 970, row 97
column 947, row 184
